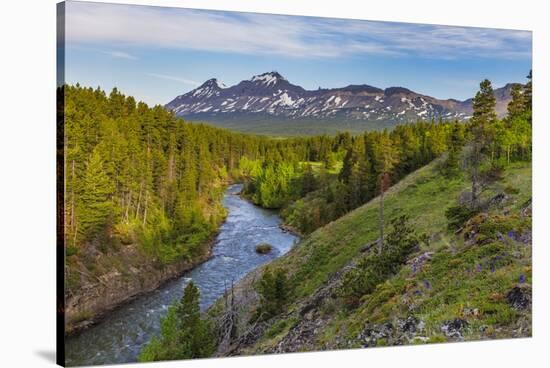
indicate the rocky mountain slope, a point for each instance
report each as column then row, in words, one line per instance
column 472, row 284
column 270, row 99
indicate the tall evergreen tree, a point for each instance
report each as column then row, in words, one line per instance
column 184, row 333
column 517, row 105
column 482, row 123
column 96, row 206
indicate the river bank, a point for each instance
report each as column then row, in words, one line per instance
column 120, row 334
column 115, row 289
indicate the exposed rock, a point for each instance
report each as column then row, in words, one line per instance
column 367, row 247
column 497, row 200
column 404, row 331
column 104, row 292
column 263, row 248
column 519, row 297
column 471, row 312
column 411, row 325
column 454, row 328
column 373, row 334
column 527, row 209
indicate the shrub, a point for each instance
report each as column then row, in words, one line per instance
column 273, row 289
column 400, row 242
column 458, row 215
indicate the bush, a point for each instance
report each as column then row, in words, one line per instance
column 488, row 227
column 273, row 289
column 458, row 215
column 400, row 242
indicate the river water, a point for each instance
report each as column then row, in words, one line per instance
column 119, row 337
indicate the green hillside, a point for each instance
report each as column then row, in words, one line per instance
column 465, row 285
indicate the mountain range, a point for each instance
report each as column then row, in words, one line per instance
column 268, row 103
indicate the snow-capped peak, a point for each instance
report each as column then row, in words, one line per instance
column 268, row 79
column 220, row 84
column 213, row 82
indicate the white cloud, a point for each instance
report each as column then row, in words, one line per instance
column 175, row 79
column 156, row 27
column 120, row 55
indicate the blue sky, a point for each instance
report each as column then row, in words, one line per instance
column 156, row 53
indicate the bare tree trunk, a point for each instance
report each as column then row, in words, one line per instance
column 381, row 218
column 474, row 188
column 74, row 236
column 139, row 200
column 145, row 210
column 73, row 197
column 128, row 206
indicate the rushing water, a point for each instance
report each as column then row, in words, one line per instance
column 119, row 337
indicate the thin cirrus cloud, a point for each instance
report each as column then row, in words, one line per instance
column 174, row 79
column 120, row 55
column 289, row 36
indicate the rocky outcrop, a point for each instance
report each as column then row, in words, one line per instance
column 99, row 294
column 454, row 328
column 402, row 331
column 520, row 297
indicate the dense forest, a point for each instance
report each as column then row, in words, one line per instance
column 344, row 172
column 137, row 175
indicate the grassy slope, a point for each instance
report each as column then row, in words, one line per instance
column 442, row 289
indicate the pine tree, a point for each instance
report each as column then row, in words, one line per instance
column 96, row 206
column 274, row 291
column 483, row 118
column 528, row 92
column 516, row 106
column 349, row 161
column 456, row 142
column 386, row 158
column 309, row 182
column 184, row 333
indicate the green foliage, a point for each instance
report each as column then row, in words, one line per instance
column 458, row 215
column 273, row 185
column 400, row 242
column 452, row 166
column 184, row 333
column 273, row 289
column 96, row 206
column 137, row 175
column 494, row 226
column 365, row 158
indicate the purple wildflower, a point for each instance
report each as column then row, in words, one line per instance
column 521, row 278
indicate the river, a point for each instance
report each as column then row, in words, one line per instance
column 119, row 337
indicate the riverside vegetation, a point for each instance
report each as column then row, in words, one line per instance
column 443, row 254
column 418, row 234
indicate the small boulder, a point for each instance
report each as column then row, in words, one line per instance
column 454, row 328
column 519, row 297
column 263, row 248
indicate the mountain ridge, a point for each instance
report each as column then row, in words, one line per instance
column 270, row 96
